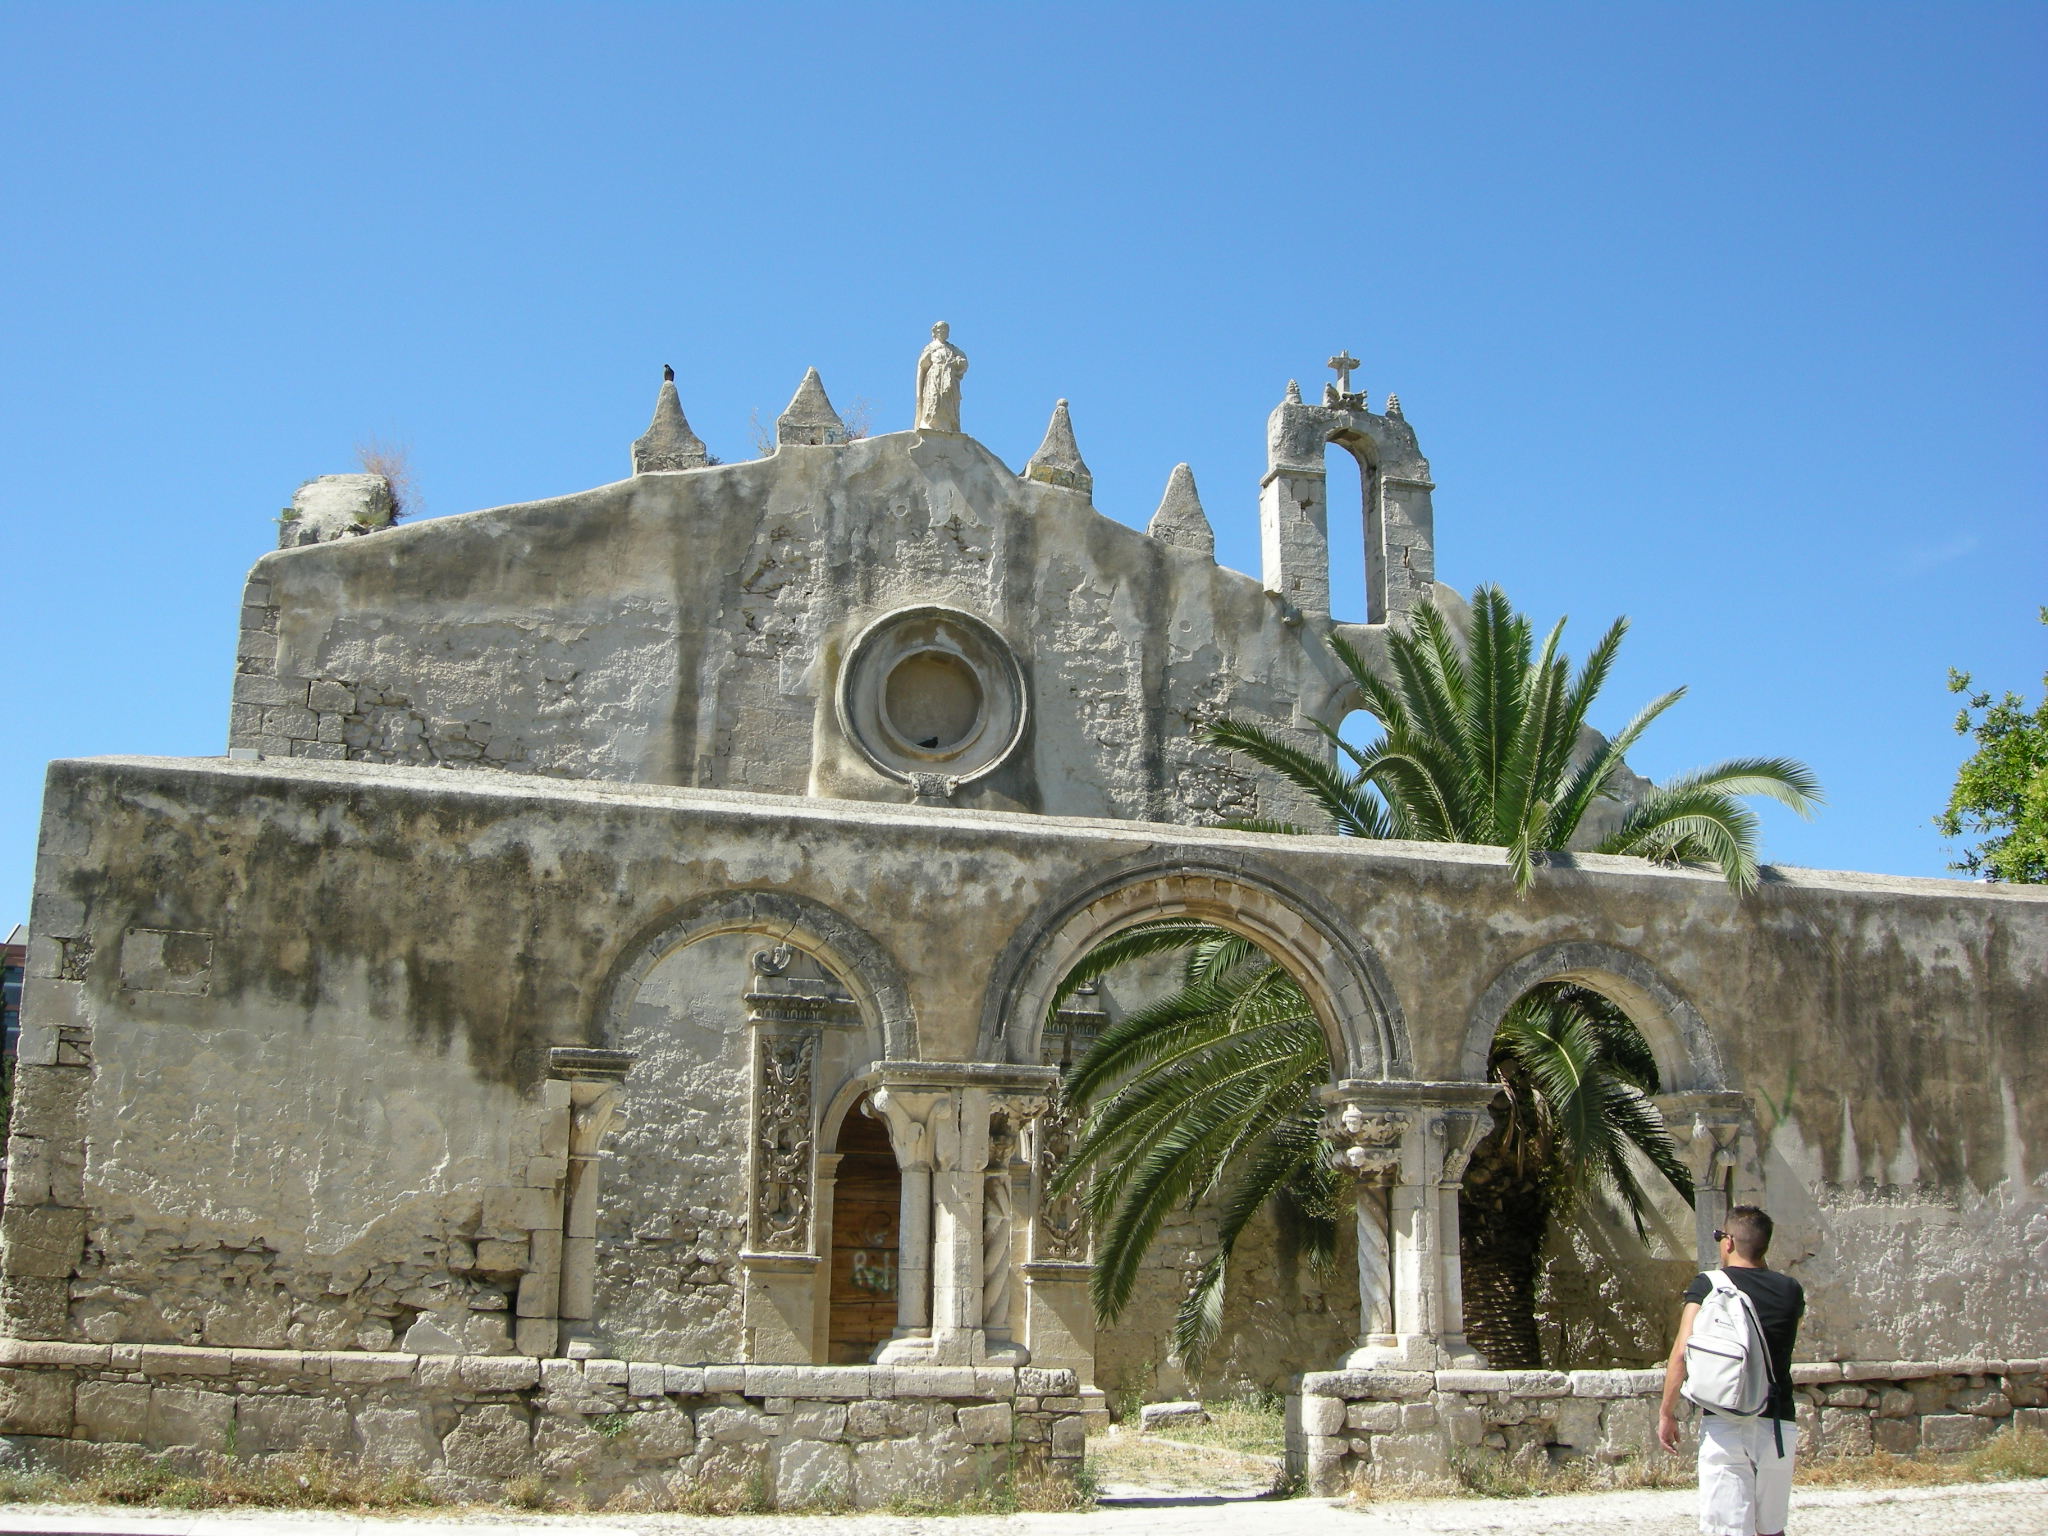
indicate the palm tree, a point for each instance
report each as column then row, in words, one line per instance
column 1211, row 1090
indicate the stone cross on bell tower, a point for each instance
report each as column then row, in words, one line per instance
column 1340, row 393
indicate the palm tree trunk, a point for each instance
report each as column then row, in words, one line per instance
column 1504, row 1215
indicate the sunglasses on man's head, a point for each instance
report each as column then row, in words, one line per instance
column 1720, row 1237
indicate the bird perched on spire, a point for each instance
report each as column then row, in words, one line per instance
column 668, row 374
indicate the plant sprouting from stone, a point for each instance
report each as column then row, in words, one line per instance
column 392, row 463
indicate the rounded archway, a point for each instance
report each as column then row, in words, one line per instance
column 1343, row 979
column 1688, row 1060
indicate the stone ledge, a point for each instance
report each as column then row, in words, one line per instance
column 509, row 1373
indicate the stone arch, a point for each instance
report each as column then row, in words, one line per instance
column 1688, row 1059
column 869, row 971
column 1345, row 982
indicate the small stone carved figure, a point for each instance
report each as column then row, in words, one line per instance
column 940, row 368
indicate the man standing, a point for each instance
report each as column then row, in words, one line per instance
column 1745, row 1463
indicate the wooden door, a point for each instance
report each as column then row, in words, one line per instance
column 867, row 1201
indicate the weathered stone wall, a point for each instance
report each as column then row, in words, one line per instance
column 689, row 629
column 1344, row 1426
column 286, row 1024
column 783, row 1436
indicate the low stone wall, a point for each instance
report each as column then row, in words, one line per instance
column 1343, row 1425
column 782, row 1435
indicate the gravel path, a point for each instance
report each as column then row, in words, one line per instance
column 1985, row 1509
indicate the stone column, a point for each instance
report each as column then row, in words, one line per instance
column 595, row 1078
column 943, row 1111
column 1411, row 1140
column 1708, row 1128
column 907, row 1115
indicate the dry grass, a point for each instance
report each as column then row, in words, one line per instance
column 1156, row 1463
column 202, row 1480
column 1254, row 1426
column 128, row 1476
column 2007, row 1456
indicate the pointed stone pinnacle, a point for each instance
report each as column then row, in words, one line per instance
column 668, row 444
column 1394, row 405
column 810, row 418
column 1180, row 520
column 1058, row 460
column 1293, row 392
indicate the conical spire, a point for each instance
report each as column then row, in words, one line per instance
column 1293, row 392
column 810, row 418
column 1180, row 520
column 1394, row 405
column 668, row 443
column 1058, row 460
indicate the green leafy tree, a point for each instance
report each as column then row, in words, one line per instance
column 1211, row 1090
column 2001, row 792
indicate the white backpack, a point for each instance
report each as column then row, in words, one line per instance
column 1727, row 1362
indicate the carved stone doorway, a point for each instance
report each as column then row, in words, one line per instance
column 866, row 1208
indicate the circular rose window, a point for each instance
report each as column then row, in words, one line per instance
column 932, row 691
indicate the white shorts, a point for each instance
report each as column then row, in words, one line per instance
column 1745, row 1485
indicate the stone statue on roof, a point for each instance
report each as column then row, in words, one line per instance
column 940, row 368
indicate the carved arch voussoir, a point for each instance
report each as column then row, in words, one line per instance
column 835, row 940
column 1688, row 1057
column 1343, row 977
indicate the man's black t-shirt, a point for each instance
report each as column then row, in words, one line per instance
column 1780, row 1302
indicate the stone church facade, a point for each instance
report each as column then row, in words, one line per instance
column 668, row 1096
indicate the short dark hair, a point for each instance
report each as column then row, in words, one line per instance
column 1749, row 1228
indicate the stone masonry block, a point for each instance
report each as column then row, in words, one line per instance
column 511, row 1209
column 41, row 1242
column 292, row 1423
column 32, row 1307
column 186, row 1416
column 1896, row 1437
column 35, row 1402
column 813, row 1473
column 685, row 1380
column 89, row 1357
column 1069, row 1437
column 1954, row 1431
column 1373, row 1418
column 1033, row 1382
column 50, row 1101
column 491, row 1442
column 371, row 1366
column 988, row 1424
column 1397, row 1386
column 498, row 1373
column 1845, row 1432
column 270, row 691
column 330, row 698
column 112, row 1411
column 665, row 1434
column 1321, row 1415
column 1615, row 1383
column 183, row 1360
column 644, row 1380
column 396, row 1437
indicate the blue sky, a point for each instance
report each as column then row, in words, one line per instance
column 1730, row 318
